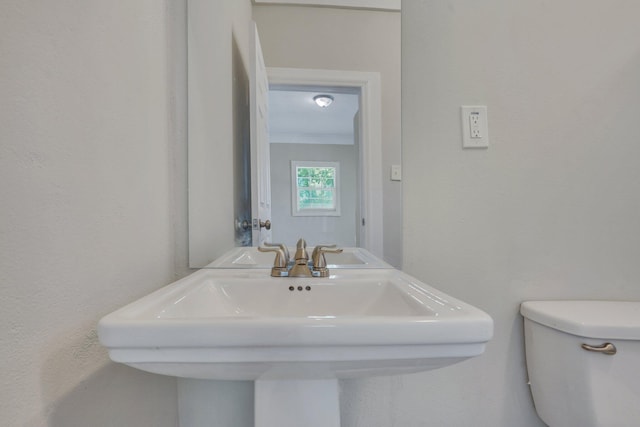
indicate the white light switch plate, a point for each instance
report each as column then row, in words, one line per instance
column 475, row 128
column 396, row 173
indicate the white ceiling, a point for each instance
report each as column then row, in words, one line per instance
column 295, row 118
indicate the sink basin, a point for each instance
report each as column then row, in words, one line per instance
column 242, row 324
column 249, row 257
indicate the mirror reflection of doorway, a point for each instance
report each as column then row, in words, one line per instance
column 314, row 162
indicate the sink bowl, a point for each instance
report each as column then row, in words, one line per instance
column 249, row 257
column 242, row 324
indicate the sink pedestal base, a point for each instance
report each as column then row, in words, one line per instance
column 295, row 403
column 268, row 403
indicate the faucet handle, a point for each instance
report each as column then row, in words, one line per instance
column 319, row 261
column 282, row 246
column 279, row 263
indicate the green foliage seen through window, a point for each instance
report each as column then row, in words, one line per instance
column 316, row 187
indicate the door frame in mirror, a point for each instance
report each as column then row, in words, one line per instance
column 371, row 233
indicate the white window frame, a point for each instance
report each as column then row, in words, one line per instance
column 294, row 188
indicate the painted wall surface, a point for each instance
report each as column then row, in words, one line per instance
column 550, row 211
column 358, row 40
column 286, row 228
column 87, row 123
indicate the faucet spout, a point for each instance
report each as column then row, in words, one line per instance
column 301, row 267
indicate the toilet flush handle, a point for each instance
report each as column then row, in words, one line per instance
column 606, row 348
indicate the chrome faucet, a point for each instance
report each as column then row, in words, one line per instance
column 283, row 267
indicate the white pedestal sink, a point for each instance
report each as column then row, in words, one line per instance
column 295, row 337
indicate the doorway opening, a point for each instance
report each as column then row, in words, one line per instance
column 355, row 145
column 315, row 164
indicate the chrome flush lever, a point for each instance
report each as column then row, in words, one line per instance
column 606, row 348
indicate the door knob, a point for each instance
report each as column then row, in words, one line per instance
column 257, row 224
column 242, row 225
column 266, row 224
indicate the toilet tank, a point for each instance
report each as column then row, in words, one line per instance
column 572, row 386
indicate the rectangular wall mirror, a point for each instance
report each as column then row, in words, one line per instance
column 254, row 71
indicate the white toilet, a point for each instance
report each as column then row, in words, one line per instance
column 583, row 360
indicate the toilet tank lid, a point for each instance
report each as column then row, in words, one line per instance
column 591, row 319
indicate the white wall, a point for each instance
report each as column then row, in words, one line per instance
column 356, row 40
column 550, row 210
column 339, row 230
column 87, row 124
